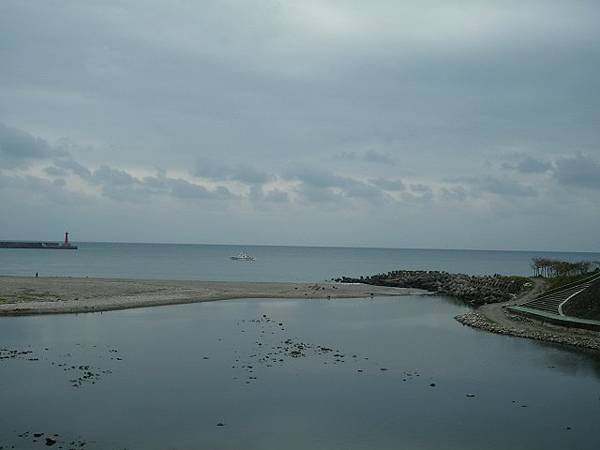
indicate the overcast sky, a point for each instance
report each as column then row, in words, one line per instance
column 431, row 124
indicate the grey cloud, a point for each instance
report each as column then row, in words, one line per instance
column 378, row 157
column 497, row 186
column 532, row 165
column 418, row 192
column 358, row 189
column 243, row 173
column 317, row 194
column 321, row 184
column 277, row 196
column 108, row 176
column 145, row 84
column 346, row 156
column 388, row 184
column 68, row 163
column 55, row 171
column 370, row 156
column 120, row 185
column 186, row 190
column 455, row 193
column 258, row 194
column 17, row 147
column 249, row 175
column 37, row 187
column 317, row 177
column 528, row 165
column 579, row 171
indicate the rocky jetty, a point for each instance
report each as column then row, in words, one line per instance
column 474, row 290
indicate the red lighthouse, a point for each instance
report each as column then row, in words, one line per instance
column 66, row 244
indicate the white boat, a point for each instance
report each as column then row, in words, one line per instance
column 243, row 256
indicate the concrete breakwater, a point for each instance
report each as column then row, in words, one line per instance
column 472, row 289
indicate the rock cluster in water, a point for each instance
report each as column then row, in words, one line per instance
column 80, row 373
column 49, row 440
column 274, row 348
column 473, row 289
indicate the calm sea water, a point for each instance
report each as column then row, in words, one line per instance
column 165, row 377
column 211, row 262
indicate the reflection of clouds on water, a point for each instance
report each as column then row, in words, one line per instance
column 188, row 367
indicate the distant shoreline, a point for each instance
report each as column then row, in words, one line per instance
column 61, row 295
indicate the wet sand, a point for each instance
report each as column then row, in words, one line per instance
column 56, row 295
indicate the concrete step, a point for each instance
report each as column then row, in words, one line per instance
column 551, row 309
column 552, row 301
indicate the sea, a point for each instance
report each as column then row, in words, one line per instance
column 272, row 263
column 353, row 374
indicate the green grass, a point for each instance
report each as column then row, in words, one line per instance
column 518, row 278
column 520, row 281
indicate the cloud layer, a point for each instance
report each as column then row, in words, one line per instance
column 280, row 122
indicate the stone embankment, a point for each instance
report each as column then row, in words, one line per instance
column 474, row 290
column 529, row 329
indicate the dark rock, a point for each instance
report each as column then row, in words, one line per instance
column 475, row 290
column 50, row 441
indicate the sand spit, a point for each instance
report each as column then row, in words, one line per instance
column 57, row 295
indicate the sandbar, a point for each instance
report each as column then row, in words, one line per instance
column 60, row 295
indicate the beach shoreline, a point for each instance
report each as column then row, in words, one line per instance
column 61, row 295
column 25, row 296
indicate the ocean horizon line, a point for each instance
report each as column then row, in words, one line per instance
column 326, row 246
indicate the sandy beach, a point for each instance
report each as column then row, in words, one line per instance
column 27, row 296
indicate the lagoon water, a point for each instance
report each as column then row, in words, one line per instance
column 184, row 369
column 273, row 263
column 165, row 377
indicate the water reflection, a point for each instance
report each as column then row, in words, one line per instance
column 291, row 374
